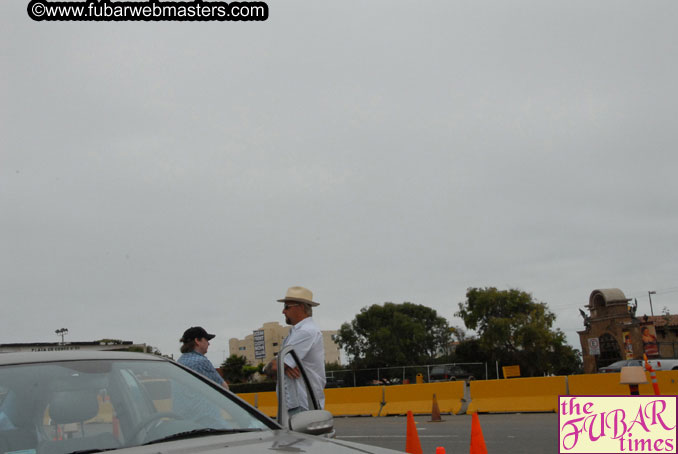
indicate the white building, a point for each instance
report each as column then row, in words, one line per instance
column 63, row 346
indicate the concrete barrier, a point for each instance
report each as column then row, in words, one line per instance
column 365, row 400
column 339, row 401
column 538, row 394
column 267, row 403
column 250, row 398
column 601, row 384
column 419, row 398
column 517, row 395
column 668, row 382
column 608, row 384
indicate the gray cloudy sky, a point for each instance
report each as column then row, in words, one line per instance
column 155, row 175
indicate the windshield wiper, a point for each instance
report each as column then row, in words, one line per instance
column 88, row 451
column 200, row 433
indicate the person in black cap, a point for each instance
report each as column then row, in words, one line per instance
column 195, row 343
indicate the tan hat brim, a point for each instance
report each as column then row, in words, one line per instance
column 299, row 300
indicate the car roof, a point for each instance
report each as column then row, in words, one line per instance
column 47, row 357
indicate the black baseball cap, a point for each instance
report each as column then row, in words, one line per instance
column 195, row 332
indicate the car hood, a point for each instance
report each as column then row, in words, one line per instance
column 269, row 442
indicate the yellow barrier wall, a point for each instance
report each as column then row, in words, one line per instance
column 248, row 397
column 419, row 398
column 507, row 395
column 668, row 382
column 516, row 394
column 608, row 384
column 601, row 384
column 364, row 400
column 339, row 401
column 268, row 403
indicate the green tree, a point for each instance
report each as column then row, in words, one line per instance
column 394, row 335
column 469, row 351
column 236, row 369
column 329, row 367
column 513, row 328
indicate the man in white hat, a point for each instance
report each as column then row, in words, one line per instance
column 307, row 341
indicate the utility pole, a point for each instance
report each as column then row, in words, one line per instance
column 649, row 295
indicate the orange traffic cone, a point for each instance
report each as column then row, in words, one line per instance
column 412, row 444
column 653, row 376
column 477, row 439
column 435, row 411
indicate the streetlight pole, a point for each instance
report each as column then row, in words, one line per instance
column 649, row 295
column 61, row 332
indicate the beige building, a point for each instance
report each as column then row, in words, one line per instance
column 264, row 344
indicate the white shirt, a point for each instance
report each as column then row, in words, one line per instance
column 307, row 341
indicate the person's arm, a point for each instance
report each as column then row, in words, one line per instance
column 271, row 370
column 292, row 372
column 302, row 344
column 215, row 377
column 206, row 368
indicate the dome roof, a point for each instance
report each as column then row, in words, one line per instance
column 605, row 296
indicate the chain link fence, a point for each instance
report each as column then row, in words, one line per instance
column 406, row 374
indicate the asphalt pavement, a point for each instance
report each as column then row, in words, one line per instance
column 514, row 433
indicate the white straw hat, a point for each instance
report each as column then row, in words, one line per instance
column 299, row 295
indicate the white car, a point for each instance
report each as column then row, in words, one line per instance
column 663, row 364
column 617, row 366
column 87, row 402
column 657, row 364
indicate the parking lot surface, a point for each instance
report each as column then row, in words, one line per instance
column 529, row 433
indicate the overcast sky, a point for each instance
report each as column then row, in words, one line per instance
column 155, row 176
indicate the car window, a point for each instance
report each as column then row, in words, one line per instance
column 6, row 399
column 62, row 407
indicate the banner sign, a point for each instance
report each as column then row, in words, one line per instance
column 628, row 344
column 649, row 336
column 511, row 371
column 259, row 344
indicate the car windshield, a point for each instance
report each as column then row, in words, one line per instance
column 74, row 406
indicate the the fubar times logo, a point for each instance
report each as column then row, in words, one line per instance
column 617, row 424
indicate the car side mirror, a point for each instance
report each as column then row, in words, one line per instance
column 314, row 422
